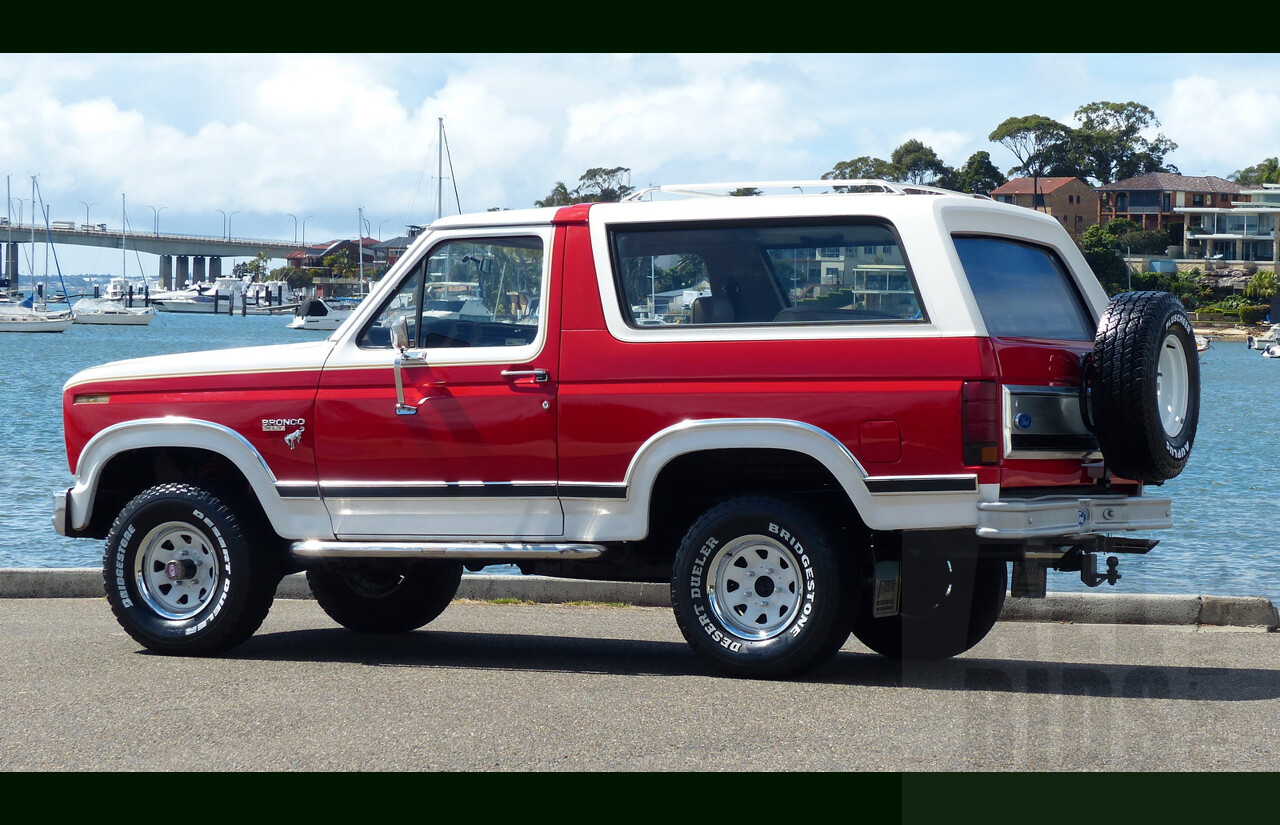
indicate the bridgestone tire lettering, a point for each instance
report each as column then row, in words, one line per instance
column 181, row 575
column 1144, row 380
column 758, row 590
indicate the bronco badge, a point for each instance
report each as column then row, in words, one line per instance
column 279, row 425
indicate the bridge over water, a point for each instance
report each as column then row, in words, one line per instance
column 183, row 258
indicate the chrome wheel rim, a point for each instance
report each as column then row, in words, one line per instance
column 756, row 587
column 176, row 570
column 1173, row 387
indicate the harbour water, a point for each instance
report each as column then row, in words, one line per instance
column 1225, row 541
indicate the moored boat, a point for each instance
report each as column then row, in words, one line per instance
column 110, row 313
column 320, row 314
column 24, row 319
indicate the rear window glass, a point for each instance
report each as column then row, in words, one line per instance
column 1023, row 291
column 766, row 273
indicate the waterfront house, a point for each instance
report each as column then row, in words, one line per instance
column 1244, row 229
column 1072, row 201
column 1158, row 199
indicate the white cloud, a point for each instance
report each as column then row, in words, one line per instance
column 1220, row 127
column 271, row 137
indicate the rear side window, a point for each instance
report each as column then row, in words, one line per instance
column 763, row 273
column 1023, row 291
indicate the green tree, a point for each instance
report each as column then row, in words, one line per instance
column 978, row 176
column 596, row 185
column 1261, row 286
column 600, row 185
column 295, row 276
column 560, row 196
column 1027, row 139
column 340, row 264
column 745, row 192
column 1119, row 226
column 1143, row 242
column 1030, row 138
column 1101, row 252
column 917, row 163
column 1268, row 171
column 861, row 168
column 1110, row 140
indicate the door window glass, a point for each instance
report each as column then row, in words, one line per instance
column 472, row 292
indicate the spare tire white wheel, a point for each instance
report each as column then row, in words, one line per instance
column 1142, row 383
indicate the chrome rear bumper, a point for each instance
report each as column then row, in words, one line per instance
column 1067, row 516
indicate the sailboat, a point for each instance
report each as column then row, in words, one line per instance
column 26, row 316
column 115, row 309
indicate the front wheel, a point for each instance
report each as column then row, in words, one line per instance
column 948, row 605
column 758, row 589
column 369, row 597
column 181, row 574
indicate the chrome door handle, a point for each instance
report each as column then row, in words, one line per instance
column 540, row 376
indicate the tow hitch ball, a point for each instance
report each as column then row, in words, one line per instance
column 1087, row 564
column 1089, row 570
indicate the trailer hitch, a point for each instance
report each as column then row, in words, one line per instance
column 1089, row 570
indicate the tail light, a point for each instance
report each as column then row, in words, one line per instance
column 980, row 422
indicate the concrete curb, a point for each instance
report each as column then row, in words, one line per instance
column 1079, row 608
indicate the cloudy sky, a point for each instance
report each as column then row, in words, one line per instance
column 267, row 146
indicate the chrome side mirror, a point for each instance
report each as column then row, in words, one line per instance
column 400, row 341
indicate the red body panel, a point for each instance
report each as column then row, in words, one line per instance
column 239, row 401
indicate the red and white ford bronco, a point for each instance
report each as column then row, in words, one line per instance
column 812, row 414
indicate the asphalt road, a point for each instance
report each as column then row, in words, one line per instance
column 556, row 687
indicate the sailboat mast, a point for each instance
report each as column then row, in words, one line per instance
column 440, row 171
column 33, row 239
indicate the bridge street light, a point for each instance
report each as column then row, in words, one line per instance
column 86, row 212
column 156, row 215
column 295, row 226
column 229, row 217
column 304, row 230
column 224, row 221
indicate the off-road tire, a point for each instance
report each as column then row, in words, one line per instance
column 1144, row 386
column 947, row 606
column 759, row 590
column 182, row 575
column 373, row 598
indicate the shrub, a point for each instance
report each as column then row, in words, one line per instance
column 1261, row 286
column 1253, row 313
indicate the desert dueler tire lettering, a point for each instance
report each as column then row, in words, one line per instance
column 181, row 575
column 373, row 597
column 1144, row 386
column 758, row 589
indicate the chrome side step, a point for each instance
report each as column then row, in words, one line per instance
column 314, row 549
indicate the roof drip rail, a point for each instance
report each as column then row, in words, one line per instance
column 723, row 190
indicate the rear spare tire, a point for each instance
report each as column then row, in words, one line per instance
column 1144, row 386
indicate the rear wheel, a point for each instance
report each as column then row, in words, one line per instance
column 947, row 607
column 181, row 574
column 370, row 597
column 758, row 589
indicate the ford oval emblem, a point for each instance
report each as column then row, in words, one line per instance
column 1082, row 518
column 1023, row 421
